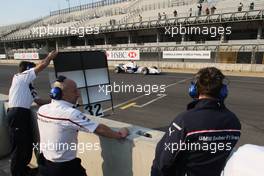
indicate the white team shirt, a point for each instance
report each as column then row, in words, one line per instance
column 59, row 124
column 19, row 92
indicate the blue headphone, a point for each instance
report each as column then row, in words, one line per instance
column 30, row 65
column 193, row 91
column 56, row 92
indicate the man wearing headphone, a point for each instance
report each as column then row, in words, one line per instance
column 21, row 96
column 199, row 140
column 59, row 123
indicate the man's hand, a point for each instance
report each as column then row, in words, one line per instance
column 51, row 55
column 123, row 132
column 45, row 62
column 104, row 130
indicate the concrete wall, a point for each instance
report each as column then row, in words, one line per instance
column 182, row 65
column 129, row 157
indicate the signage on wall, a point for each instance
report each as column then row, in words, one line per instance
column 25, row 56
column 186, row 54
column 2, row 56
column 123, row 55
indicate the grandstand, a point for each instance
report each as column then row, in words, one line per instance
column 135, row 24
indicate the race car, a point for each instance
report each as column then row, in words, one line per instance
column 132, row 68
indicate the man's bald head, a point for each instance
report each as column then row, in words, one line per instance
column 65, row 84
column 69, row 89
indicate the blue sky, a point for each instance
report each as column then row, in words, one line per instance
column 15, row 11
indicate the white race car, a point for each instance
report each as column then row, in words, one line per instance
column 129, row 68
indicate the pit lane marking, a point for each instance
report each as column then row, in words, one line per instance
column 128, row 106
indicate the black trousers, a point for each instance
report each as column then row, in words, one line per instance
column 68, row 168
column 21, row 131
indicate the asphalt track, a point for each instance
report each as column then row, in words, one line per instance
column 157, row 110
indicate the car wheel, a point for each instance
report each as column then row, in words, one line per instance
column 117, row 70
column 145, row 71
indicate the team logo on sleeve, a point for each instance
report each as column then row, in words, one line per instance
column 173, row 128
column 83, row 117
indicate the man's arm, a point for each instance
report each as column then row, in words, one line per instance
column 40, row 101
column 105, row 131
column 45, row 62
column 166, row 156
column 85, row 124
